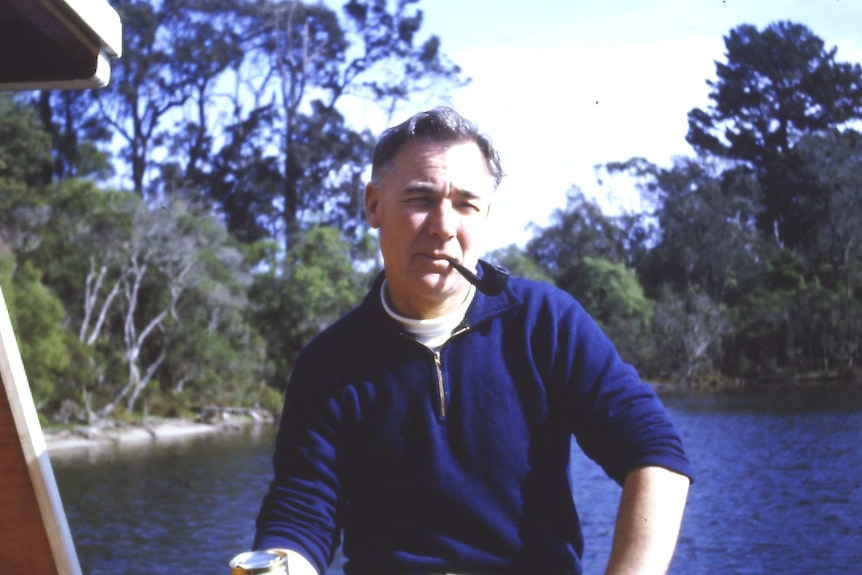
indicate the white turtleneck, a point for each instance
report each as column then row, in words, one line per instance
column 434, row 332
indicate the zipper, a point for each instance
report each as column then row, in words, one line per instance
column 438, row 366
column 441, row 385
column 443, row 409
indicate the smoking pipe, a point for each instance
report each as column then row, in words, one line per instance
column 493, row 279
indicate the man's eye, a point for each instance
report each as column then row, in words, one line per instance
column 421, row 200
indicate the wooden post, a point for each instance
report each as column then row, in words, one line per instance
column 34, row 534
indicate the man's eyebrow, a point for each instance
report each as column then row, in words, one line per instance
column 428, row 188
column 469, row 194
column 420, row 188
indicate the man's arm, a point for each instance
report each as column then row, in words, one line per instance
column 648, row 521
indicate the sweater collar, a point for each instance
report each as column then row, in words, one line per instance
column 483, row 308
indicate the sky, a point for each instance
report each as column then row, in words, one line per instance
column 561, row 86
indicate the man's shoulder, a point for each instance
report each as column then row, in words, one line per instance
column 356, row 323
column 529, row 301
column 534, row 292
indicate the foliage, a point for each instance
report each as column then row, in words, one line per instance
column 240, row 103
column 321, row 285
column 241, row 233
column 37, row 319
column 231, row 109
column 778, row 86
column 609, row 290
column 688, row 334
column 519, row 263
column 579, row 230
column 25, row 150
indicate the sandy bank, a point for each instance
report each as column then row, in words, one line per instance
column 114, row 434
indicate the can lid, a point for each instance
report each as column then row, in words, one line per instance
column 258, row 562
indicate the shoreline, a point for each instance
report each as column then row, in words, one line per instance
column 113, row 435
column 153, row 431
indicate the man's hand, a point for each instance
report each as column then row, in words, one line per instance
column 648, row 521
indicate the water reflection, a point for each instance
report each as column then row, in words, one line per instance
column 185, row 506
column 778, row 482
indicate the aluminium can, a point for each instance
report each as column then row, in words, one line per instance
column 269, row 562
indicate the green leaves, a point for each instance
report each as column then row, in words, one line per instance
column 777, row 85
column 24, row 147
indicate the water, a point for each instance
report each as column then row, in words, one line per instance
column 777, row 491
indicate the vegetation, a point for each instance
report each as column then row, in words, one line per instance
column 172, row 242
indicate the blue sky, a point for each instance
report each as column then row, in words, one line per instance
column 563, row 85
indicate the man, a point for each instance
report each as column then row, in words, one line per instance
column 432, row 424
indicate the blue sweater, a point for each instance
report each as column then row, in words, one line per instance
column 457, row 460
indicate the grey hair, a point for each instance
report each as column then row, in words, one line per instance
column 441, row 124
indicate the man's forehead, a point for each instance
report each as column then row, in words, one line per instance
column 462, row 155
column 460, row 160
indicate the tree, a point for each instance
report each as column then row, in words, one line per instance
column 688, row 332
column 828, row 167
column 36, row 314
column 612, row 294
column 308, row 61
column 610, row 291
column 24, row 160
column 705, row 241
column 78, row 135
column 777, row 86
column 140, row 288
column 516, row 260
column 174, row 50
column 216, row 357
column 240, row 103
column 24, row 146
column 580, row 230
column 322, row 284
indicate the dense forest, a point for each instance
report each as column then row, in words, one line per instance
column 172, row 241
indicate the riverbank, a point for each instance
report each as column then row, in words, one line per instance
column 111, row 434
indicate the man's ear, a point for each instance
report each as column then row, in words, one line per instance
column 372, row 202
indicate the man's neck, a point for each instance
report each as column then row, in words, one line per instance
column 432, row 333
column 427, row 310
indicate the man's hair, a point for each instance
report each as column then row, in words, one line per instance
column 442, row 125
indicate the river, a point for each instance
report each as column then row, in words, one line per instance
column 778, row 490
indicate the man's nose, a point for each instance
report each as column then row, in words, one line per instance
column 443, row 220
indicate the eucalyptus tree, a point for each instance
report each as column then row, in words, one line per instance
column 154, row 297
column 579, row 230
column 157, row 104
column 80, row 138
column 705, row 239
column 37, row 312
column 248, row 104
column 829, row 167
column 703, row 257
column 173, row 255
column 585, row 252
column 317, row 283
column 305, row 63
column 689, row 332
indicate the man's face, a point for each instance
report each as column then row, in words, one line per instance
column 431, row 203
